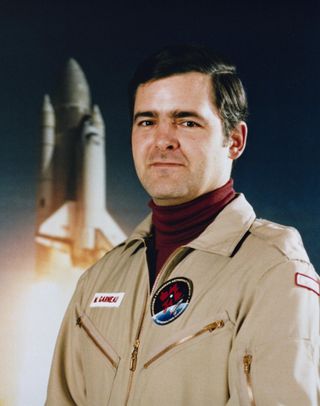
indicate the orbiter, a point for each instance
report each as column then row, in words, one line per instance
column 71, row 203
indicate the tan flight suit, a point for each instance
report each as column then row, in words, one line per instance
column 249, row 335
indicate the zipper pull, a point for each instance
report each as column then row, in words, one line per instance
column 217, row 324
column 247, row 359
column 134, row 356
column 79, row 322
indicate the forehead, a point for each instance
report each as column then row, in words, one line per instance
column 181, row 91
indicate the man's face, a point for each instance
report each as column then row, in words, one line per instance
column 178, row 144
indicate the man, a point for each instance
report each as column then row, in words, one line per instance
column 203, row 304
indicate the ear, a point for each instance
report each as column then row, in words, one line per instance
column 237, row 140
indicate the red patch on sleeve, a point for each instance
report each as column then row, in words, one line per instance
column 305, row 281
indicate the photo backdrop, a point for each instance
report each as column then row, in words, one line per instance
column 276, row 49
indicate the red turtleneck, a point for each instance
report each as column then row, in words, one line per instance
column 174, row 226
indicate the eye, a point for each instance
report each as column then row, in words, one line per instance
column 145, row 123
column 190, row 124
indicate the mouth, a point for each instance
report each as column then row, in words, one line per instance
column 165, row 164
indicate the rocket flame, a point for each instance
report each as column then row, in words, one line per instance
column 36, row 306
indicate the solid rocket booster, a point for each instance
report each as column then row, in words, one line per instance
column 71, row 212
column 47, row 150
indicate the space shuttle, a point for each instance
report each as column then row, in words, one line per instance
column 71, row 198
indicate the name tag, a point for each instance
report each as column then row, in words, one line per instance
column 112, row 299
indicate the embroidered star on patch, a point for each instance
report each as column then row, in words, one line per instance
column 305, row 281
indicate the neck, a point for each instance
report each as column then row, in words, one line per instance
column 178, row 225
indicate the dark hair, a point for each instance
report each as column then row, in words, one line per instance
column 229, row 95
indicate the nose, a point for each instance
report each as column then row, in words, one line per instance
column 165, row 138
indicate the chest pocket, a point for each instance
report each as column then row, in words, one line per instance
column 184, row 339
column 99, row 360
column 192, row 368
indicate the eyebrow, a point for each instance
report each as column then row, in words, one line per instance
column 140, row 114
column 174, row 114
column 185, row 114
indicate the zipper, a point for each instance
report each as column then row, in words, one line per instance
column 247, row 361
column 208, row 328
column 87, row 326
column 134, row 353
column 136, row 345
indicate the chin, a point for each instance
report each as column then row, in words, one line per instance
column 166, row 194
column 169, row 199
column 167, row 189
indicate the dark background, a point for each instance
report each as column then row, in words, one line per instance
column 274, row 44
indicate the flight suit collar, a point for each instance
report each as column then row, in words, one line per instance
column 221, row 237
column 227, row 230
